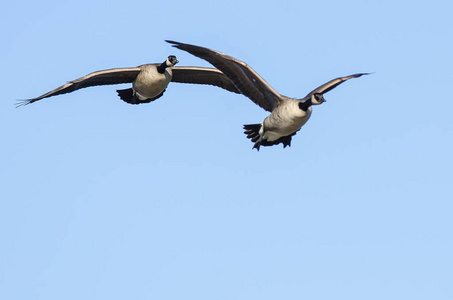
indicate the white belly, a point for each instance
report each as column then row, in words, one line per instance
column 284, row 121
column 150, row 83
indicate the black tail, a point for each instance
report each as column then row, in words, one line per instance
column 129, row 96
column 253, row 132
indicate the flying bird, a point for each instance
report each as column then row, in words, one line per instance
column 149, row 81
column 287, row 116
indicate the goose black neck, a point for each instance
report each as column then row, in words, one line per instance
column 162, row 67
column 305, row 105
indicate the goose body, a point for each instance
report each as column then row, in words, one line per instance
column 152, row 81
column 284, row 120
column 287, row 116
column 149, row 81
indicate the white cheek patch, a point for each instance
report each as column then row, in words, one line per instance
column 169, row 63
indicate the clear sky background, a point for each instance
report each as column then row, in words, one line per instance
column 100, row 199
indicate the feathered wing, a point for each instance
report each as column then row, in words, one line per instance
column 326, row 87
column 244, row 77
column 104, row 77
column 199, row 75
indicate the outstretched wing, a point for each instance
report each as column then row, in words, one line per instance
column 326, row 87
column 244, row 77
column 104, row 77
column 199, row 75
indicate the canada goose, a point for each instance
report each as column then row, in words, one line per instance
column 149, row 81
column 287, row 116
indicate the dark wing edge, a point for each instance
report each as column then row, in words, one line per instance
column 104, row 77
column 326, row 87
column 243, row 76
column 200, row 75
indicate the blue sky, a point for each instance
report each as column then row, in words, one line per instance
column 105, row 200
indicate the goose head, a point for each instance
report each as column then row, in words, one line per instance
column 317, row 98
column 313, row 99
column 171, row 61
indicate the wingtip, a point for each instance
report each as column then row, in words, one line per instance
column 20, row 103
column 360, row 74
column 172, row 42
column 357, row 75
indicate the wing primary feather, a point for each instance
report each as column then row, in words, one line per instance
column 200, row 75
column 104, row 77
column 328, row 86
column 244, row 77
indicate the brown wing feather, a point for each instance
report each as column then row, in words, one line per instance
column 244, row 77
column 326, row 87
column 199, row 75
column 104, row 77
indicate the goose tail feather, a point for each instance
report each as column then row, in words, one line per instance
column 253, row 132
